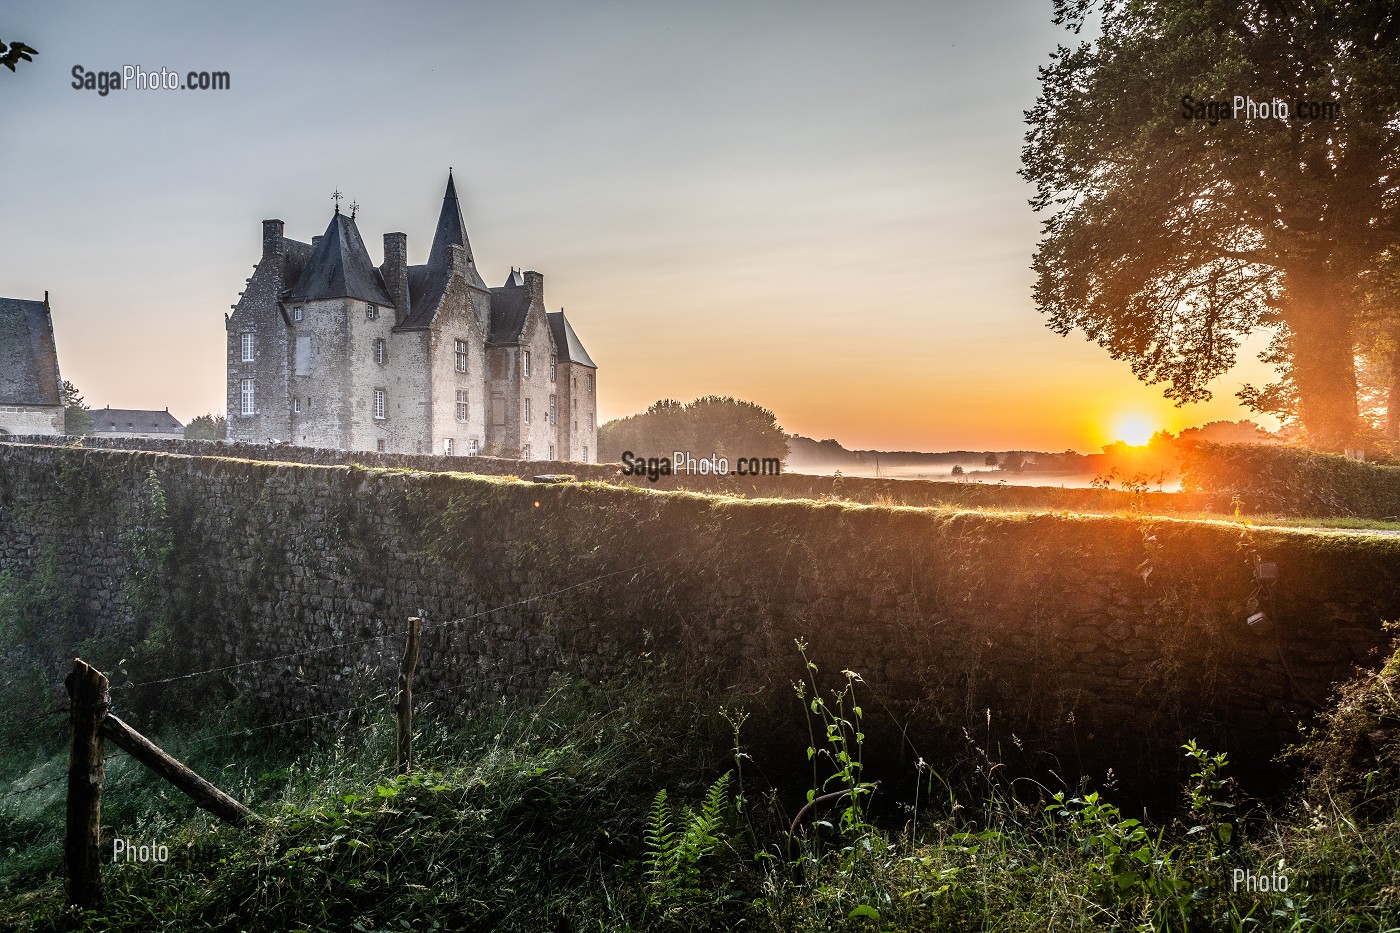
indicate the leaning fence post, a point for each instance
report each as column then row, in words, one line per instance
column 89, row 696
column 404, row 700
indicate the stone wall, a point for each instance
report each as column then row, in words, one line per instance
column 1064, row 644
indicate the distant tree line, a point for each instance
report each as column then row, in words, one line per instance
column 719, row 425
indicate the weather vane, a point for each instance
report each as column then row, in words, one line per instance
column 354, row 209
column 336, row 196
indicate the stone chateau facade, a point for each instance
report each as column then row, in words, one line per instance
column 326, row 350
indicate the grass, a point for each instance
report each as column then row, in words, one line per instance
column 618, row 809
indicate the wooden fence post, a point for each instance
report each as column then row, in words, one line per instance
column 206, row 795
column 404, row 701
column 89, row 696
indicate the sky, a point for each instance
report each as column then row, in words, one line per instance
column 811, row 205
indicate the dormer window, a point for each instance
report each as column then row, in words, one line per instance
column 462, row 358
column 296, row 315
column 371, row 312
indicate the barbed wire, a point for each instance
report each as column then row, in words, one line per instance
column 51, row 781
column 57, row 710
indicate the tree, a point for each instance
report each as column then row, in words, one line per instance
column 990, row 460
column 210, row 427
column 1176, row 228
column 727, row 427
column 1013, row 462
column 14, row 53
column 958, row 469
column 76, row 417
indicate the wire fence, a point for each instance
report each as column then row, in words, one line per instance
column 377, row 700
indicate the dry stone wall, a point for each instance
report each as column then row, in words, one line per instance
column 1056, row 643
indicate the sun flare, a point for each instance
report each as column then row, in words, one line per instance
column 1133, row 430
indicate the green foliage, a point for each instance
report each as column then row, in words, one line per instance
column 1292, row 480
column 683, row 848
column 77, row 419
column 1353, row 753
column 210, row 427
column 1155, row 246
column 723, row 426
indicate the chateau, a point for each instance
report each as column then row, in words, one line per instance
column 325, row 350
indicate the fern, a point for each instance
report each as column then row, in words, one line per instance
column 674, row 854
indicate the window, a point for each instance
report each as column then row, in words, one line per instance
column 590, row 421
column 471, row 447
column 551, row 451
column 296, row 406
column 590, row 382
column 380, row 408
column 449, row 446
column 246, row 394
column 526, row 454
column 525, row 364
column 296, row 315
column 381, row 350
column 379, row 445
column 462, row 408
column 585, row 455
column 553, row 410
column 461, row 356
column 553, row 368
column 247, row 347
column 576, row 403
column 371, row 312
column 527, row 411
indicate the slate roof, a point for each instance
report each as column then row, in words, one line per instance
column 510, row 306
column 427, row 283
column 28, row 356
column 340, row 267
column 134, row 420
column 566, row 342
column 452, row 231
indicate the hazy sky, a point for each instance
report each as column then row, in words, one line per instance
column 811, row 205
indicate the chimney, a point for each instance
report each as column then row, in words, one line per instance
column 315, row 241
column 395, row 272
column 456, row 260
column 534, row 281
column 272, row 238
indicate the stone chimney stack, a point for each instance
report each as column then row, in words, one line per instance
column 273, row 244
column 534, row 281
column 457, row 261
column 395, row 272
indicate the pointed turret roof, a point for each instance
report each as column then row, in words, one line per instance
column 452, row 231
column 340, row 267
column 567, row 346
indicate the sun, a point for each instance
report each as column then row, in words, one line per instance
column 1134, row 430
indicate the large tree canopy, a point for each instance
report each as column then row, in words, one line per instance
column 723, row 426
column 1170, row 238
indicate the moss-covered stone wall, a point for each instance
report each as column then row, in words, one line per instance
column 1054, row 642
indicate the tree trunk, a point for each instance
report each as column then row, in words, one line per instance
column 1392, row 400
column 1324, row 365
